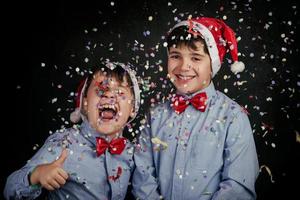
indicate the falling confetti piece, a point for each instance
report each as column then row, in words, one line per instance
column 117, row 176
column 268, row 170
column 54, row 100
column 297, row 137
column 157, row 141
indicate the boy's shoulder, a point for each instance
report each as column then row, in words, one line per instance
column 228, row 103
column 64, row 134
column 162, row 108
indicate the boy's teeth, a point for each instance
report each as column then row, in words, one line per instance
column 107, row 106
column 185, row 77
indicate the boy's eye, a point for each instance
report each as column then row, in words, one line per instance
column 174, row 56
column 99, row 92
column 196, row 59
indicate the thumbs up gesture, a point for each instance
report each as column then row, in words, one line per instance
column 51, row 176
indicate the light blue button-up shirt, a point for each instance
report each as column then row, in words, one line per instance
column 88, row 174
column 197, row 155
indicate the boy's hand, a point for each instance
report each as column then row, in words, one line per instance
column 51, row 176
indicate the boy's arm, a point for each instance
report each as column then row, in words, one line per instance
column 240, row 168
column 144, row 180
column 18, row 183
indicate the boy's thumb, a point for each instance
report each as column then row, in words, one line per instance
column 63, row 156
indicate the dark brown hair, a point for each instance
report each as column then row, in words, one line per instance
column 118, row 72
column 180, row 36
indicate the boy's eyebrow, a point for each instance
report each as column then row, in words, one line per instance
column 197, row 54
column 126, row 87
column 174, row 51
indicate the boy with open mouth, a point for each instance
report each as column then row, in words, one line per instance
column 93, row 161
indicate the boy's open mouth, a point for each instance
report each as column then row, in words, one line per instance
column 107, row 112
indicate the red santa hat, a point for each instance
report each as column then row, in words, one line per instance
column 219, row 39
column 76, row 114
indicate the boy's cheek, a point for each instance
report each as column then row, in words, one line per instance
column 171, row 65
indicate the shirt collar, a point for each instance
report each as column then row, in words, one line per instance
column 90, row 134
column 209, row 90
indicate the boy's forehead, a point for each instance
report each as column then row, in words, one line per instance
column 110, row 79
column 199, row 44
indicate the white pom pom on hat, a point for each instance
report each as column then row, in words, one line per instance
column 237, row 67
column 218, row 37
column 75, row 116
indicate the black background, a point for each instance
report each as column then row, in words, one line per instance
column 46, row 42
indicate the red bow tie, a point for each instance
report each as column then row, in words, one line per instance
column 180, row 103
column 116, row 146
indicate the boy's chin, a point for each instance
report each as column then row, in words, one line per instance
column 189, row 90
column 185, row 91
column 109, row 129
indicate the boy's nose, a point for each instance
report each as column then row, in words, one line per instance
column 108, row 94
column 185, row 65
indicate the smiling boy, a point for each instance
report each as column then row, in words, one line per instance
column 199, row 145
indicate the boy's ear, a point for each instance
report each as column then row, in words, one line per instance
column 132, row 112
column 84, row 104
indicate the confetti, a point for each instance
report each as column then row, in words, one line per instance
column 117, row 176
column 157, row 141
column 297, row 137
column 268, row 170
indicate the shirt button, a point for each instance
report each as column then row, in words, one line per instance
column 178, row 171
